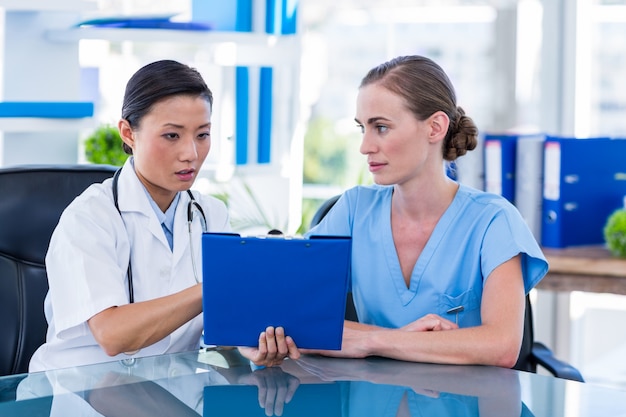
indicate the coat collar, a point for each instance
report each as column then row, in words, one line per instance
column 132, row 197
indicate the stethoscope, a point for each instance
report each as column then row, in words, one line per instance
column 190, row 207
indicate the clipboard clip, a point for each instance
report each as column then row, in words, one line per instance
column 278, row 234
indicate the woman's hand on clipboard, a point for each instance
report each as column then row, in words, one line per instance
column 273, row 348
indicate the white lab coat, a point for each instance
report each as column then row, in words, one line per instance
column 87, row 265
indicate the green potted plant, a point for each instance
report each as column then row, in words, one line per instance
column 615, row 233
column 104, row 146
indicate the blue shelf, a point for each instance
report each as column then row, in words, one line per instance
column 61, row 110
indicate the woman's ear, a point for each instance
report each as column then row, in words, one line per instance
column 438, row 123
column 126, row 133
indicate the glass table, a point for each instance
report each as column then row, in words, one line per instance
column 222, row 383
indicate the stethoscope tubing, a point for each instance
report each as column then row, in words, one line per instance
column 192, row 204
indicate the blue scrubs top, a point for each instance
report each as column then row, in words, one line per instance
column 478, row 232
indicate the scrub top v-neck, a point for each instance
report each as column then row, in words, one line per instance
column 477, row 232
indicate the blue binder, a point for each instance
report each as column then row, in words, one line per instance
column 499, row 161
column 250, row 283
column 584, row 182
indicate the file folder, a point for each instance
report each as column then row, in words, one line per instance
column 250, row 283
column 499, row 160
column 314, row 400
column 584, row 182
column 529, row 182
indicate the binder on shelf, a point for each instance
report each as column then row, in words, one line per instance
column 529, row 181
column 584, row 182
column 254, row 87
column 46, row 109
column 499, row 164
column 250, row 283
column 234, row 15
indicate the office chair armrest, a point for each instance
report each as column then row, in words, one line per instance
column 544, row 357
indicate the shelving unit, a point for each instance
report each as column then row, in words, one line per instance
column 34, row 69
column 40, row 124
column 233, row 48
column 242, row 39
column 41, row 62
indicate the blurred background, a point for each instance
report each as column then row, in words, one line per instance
column 522, row 67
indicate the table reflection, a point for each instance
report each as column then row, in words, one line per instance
column 221, row 383
column 381, row 387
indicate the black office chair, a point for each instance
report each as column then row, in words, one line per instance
column 32, row 198
column 532, row 353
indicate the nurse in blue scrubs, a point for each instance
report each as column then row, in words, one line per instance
column 439, row 270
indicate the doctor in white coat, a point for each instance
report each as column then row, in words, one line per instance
column 124, row 265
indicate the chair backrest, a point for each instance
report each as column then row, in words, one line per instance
column 32, row 198
column 524, row 362
column 323, row 210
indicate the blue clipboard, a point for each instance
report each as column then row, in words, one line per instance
column 250, row 283
column 309, row 400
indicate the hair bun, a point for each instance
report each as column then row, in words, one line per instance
column 463, row 136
